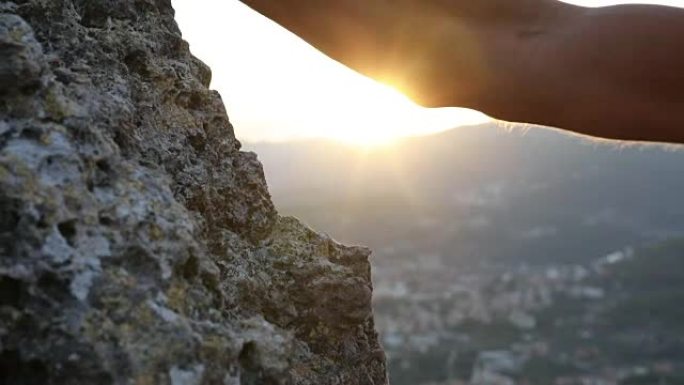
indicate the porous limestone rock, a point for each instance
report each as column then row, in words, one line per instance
column 138, row 244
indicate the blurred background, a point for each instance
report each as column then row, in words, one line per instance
column 507, row 256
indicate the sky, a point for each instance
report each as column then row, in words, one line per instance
column 276, row 87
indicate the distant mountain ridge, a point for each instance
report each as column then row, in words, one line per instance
column 553, row 191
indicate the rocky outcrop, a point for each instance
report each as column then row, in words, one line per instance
column 138, row 244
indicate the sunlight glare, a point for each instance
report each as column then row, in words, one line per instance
column 373, row 114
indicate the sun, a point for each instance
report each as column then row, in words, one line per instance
column 360, row 111
column 374, row 114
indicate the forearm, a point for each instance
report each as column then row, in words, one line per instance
column 614, row 72
column 346, row 31
column 633, row 63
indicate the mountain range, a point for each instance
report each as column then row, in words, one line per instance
column 508, row 194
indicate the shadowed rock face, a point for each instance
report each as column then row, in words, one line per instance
column 138, row 245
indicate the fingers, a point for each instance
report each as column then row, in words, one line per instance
column 353, row 32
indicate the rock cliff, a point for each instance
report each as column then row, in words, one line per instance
column 138, row 244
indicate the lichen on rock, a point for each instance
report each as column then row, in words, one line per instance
column 138, row 244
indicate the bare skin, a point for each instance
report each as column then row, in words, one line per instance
column 615, row 72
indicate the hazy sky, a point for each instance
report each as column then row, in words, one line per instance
column 276, row 87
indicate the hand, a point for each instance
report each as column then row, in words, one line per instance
column 439, row 52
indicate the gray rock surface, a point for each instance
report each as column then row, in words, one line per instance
column 138, row 244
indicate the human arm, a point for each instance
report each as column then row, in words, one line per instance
column 615, row 72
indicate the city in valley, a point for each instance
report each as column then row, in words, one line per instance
column 507, row 257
